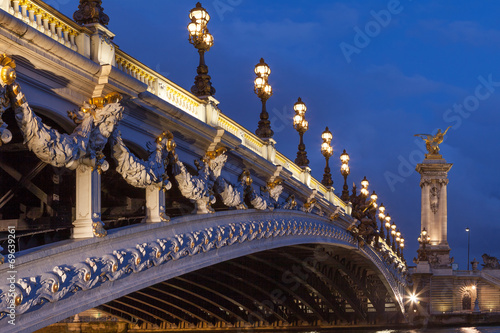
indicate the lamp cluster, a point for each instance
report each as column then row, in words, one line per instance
column 327, row 151
column 202, row 40
column 301, row 125
column 364, row 210
column 345, row 171
column 424, row 239
column 263, row 89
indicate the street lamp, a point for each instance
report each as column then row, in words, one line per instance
column 388, row 227
column 398, row 241
column 301, row 125
column 263, row 90
column 424, row 239
column 203, row 41
column 402, row 246
column 345, row 171
column 381, row 216
column 374, row 198
column 393, row 233
column 327, row 151
column 364, row 187
column 468, row 246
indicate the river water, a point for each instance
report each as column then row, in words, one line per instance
column 485, row 329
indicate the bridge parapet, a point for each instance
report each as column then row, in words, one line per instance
column 50, row 22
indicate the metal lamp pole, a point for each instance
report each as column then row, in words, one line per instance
column 468, row 246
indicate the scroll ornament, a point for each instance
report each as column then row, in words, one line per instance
column 233, row 195
column 199, row 188
column 96, row 121
column 140, row 173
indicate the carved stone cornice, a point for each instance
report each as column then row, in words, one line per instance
column 90, row 11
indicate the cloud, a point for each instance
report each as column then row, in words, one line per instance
column 467, row 32
column 392, row 80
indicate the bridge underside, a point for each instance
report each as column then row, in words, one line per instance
column 301, row 285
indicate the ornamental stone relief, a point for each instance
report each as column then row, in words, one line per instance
column 434, row 198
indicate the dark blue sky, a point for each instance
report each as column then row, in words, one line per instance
column 425, row 66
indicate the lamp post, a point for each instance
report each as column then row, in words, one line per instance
column 388, row 227
column 364, row 187
column 301, row 125
column 327, row 151
column 468, row 246
column 398, row 241
column 393, row 233
column 424, row 239
column 345, row 171
column 263, row 90
column 202, row 40
column 381, row 217
column 402, row 246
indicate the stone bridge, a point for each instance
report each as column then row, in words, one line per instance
column 103, row 207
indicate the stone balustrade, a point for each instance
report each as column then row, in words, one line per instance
column 46, row 20
column 158, row 84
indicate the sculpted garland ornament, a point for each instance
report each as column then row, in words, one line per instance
column 199, row 188
column 139, row 173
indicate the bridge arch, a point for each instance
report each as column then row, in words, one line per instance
column 101, row 272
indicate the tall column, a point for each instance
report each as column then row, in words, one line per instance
column 434, row 215
column 88, row 203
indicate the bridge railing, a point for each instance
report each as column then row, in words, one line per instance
column 45, row 19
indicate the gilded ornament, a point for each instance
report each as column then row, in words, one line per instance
column 86, row 277
column 432, row 142
column 18, row 300
column 55, row 287
column 8, row 75
column 137, row 261
column 158, row 254
column 114, row 268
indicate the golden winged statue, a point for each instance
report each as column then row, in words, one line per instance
column 432, row 142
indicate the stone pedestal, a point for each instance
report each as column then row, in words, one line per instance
column 434, row 214
column 88, row 203
column 155, row 205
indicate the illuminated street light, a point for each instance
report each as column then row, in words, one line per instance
column 327, row 151
column 381, row 216
column 393, row 233
column 345, row 171
column 301, row 125
column 388, row 227
column 263, row 90
column 202, row 40
column 424, row 239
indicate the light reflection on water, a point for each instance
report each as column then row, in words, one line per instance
column 437, row 330
column 495, row 329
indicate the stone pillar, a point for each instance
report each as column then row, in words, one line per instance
column 88, row 203
column 155, row 204
column 434, row 215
